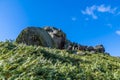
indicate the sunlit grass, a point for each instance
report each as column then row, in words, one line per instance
column 22, row 62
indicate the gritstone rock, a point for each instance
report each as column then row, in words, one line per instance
column 90, row 48
column 57, row 35
column 100, row 48
column 35, row 36
column 54, row 38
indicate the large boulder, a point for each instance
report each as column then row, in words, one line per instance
column 58, row 36
column 35, row 36
column 100, row 48
column 90, row 48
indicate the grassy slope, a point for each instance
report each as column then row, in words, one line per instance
column 35, row 63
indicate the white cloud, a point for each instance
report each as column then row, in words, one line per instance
column 102, row 8
column 118, row 32
column 74, row 18
column 90, row 11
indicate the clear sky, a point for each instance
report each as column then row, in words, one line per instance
column 87, row 22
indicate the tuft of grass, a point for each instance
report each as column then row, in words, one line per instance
column 22, row 62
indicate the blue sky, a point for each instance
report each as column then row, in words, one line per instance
column 87, row 22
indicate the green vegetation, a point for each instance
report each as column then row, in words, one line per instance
column 22, row 62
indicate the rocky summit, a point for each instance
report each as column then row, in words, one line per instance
column 54, row 38
column 35, row 36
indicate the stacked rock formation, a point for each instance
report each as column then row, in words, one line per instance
column 47, row 37
column 57, row 35
column 54, row 38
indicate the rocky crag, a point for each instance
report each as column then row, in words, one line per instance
column 35, row 36
column 54, row 38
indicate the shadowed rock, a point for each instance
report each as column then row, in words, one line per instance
column 100, row 48
column 90, row 48
column 54, row 38
column 35, row 36
column 75, row 46
column 57, row 35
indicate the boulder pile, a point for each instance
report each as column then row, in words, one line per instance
column 75, row 46
column 54, row 38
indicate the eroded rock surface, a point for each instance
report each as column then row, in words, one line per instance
column 35, row 36
column 54, row 38
column 57, row 35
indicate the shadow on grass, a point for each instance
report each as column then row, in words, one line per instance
column 63, row 59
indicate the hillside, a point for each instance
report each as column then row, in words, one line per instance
column 22, row 62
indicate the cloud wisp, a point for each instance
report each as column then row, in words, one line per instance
column 90, row 11
column 102, row 9
column 108, row 9
column 74, row 18
column 118, row 32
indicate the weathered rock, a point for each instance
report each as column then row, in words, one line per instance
column 83, row 48
column 90, row 48
column 68, row 45
column 35, row 36
column 57, row 35
column 54, row 38
column 99, row 48
column 75, row 46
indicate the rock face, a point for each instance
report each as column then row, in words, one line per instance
column 90, row 48
column 57, row 35
column 54, row 38
column 74, row 46
column 35, row 36
column 100, row 48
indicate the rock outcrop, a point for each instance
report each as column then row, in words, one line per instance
column 54, row 38
column 35, row 36
column 75, row 46
column 99, row 48
column 57, row 35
